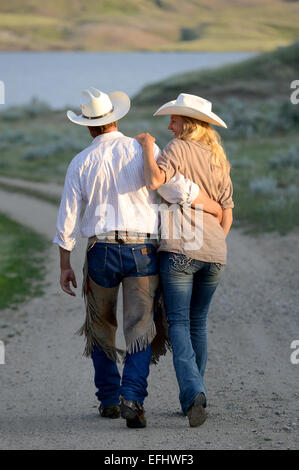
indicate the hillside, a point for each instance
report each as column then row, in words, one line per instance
column 108, row 25
column 264, row 77
column 261, row 141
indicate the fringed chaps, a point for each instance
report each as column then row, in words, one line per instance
column 144, row 319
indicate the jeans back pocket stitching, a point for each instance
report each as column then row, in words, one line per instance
column 180, row 262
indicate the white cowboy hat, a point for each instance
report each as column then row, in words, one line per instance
column 101, row 108
column 191, row 106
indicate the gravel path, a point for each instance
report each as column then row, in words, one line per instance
column 47, row 392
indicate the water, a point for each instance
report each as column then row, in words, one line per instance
column 59, row 77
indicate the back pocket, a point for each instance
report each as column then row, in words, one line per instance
column 216, row 268
column 146, row 261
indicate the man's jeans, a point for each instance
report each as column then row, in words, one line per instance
column 188, row 287
column 120, row 261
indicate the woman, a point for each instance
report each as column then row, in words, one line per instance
column 190, row 271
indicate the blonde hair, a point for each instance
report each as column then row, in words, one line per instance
column 193, row 129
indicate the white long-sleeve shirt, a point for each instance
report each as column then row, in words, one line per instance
column 108, row 178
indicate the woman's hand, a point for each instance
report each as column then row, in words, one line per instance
column 227, row 220
column 145, row 139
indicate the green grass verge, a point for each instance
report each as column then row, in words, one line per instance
column 22, row 269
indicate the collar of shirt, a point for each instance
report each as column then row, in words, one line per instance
column 107, row 136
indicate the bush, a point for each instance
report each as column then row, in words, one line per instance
column 10, row 136
column 245, row 162
column 36, row 107
column 51, row 149
column 266, row 185
column 33, row 109
column 189, row 34
column 257, row 119
column 286, row 158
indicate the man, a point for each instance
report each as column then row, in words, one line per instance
column 121, row 223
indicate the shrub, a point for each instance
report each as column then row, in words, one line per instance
column 245, row 162
column 266, row 185
column 32, row 109
column 51, row 149
column 36, row 107
column 189, row 34
column 260, row 119
column 10, row 136
column 285, row 158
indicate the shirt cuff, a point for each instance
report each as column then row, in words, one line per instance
column 193, row 194
column 66, row 245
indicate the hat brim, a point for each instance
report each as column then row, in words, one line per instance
column 171, row 108
column 121, row 106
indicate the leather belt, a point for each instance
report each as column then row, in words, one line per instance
column 124, row 237
column 118, row 235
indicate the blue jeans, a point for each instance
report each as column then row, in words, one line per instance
column 188, row 287
column 108, row 265
column 132, row 386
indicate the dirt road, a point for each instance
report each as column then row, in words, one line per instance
column 47, row 392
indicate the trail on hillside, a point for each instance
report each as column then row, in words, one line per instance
column 47, row 391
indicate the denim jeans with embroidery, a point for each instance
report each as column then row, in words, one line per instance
column 120, row 261
column 188, row 288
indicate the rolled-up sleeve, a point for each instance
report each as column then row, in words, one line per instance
column 226, row 198
column 69, row 210
column 170, row 159
column 179, row 190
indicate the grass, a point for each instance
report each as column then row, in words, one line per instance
column 22, row 268
column 9, row 20
column 38, row 150
column 261, row 206
column 148, row 25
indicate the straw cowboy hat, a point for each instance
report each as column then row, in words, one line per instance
column 191, row 106
column 101, row 108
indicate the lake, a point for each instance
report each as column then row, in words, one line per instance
column 59, row 77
